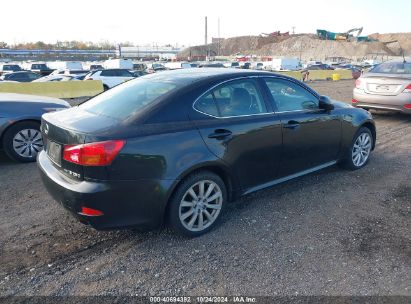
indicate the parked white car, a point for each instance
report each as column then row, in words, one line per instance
column 57, row 78
column 68, row 72
column 120, row 63
column 285, row 64
column 110, row 77
column 178, row 65
column 65, row 65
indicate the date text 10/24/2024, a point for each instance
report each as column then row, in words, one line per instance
column 205, row 299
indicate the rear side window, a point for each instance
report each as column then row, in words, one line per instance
column 108, row 73
column 128, row 99
column 289, row 96
column 237, row 98
column 207, row 105
column 124, row 73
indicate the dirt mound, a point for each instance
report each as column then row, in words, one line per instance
column 308, row 47
column 304, row 46
column 231, row 46
column 403, row 40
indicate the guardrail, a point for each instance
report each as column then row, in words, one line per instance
column 320, row 74
column 58, row 89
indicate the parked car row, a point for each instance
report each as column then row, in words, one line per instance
column 109, row 77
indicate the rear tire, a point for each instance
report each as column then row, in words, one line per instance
column 197, row 204
column 105, row 87
column 359, row 152
column 22, row 141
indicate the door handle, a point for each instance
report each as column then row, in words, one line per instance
column 220, row 134
column 292, row 124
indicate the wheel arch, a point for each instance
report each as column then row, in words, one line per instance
column 217, row 169
column 369, row 125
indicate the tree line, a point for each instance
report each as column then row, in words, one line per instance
column 64, row 45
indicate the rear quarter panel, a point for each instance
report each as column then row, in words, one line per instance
column 161, row 151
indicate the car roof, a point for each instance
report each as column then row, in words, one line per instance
column 22, row 72
column 194, row 75
column 12, row 97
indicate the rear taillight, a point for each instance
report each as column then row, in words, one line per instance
column 407, row 106
column 93, row 154
column 90, row 212
column 407, row 89
column 358, row 84
column 354, row 100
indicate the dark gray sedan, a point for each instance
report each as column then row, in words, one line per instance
column 20, row 123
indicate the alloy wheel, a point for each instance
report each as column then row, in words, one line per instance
column 201, row 205
column 27, row 143
column 361, row 149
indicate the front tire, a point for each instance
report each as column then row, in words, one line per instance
column 360, row 150
column 22, row 141
column 197, row 204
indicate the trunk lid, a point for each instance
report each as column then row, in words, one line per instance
column 385, row 84
column 70, row 127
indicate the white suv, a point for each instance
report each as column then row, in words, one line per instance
column 110, row 77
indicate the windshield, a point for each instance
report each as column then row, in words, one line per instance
column 393, row 68
column 127, row 99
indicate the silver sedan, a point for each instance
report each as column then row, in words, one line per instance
column 20, row 117
column 387, row 86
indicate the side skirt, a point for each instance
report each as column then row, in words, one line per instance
column 289, row 177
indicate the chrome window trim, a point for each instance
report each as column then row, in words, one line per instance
column 258, row 114
column 293, row 111
column 220, row 83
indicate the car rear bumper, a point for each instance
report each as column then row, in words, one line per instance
column 383, row 102
column 138, row 203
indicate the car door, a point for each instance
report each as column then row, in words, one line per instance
column 311, row 136
column 238, row 126
column 20, row 77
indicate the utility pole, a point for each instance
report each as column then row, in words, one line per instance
column 219, row 38
column 205, row 40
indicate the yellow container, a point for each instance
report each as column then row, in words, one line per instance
column 336, row 77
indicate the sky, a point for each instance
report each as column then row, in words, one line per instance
column 181, row 22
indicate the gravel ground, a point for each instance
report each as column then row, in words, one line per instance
column 334, row 232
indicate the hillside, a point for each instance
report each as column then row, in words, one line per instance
column 306, row 46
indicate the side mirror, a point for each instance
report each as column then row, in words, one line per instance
column 325, row 103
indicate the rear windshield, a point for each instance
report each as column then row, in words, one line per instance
column 39, row 67
column 393, row 68
column 128, row 99
column 11, row 67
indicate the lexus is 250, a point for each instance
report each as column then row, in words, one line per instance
column 177, row 146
